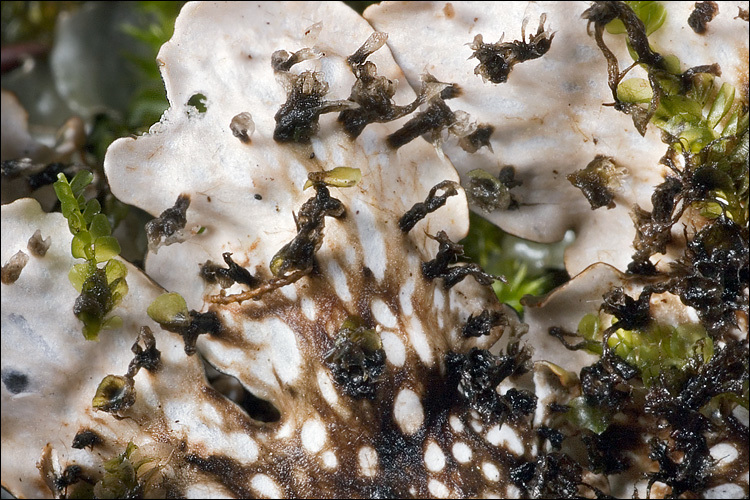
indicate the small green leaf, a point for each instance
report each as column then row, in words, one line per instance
column 115, row 269
column 92, row 208
column 338, row 177
column 78, row 274
column 80, row 181
column 653, row 15
column 105, row 248
column 91, row 329
column 100, row 226
column 721, row 104
column 635, row 90
column 169, row 309
column 80, row 246
column 112, row 323
column 587, row 416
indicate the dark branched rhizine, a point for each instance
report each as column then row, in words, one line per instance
column 448, row 252
column 476, row 375
column 478, row 139
column 146, row 356
column 226, row 277
column 372, row 92
column 597, row 181
column 433, row 120
column 297, row 119
column 702, row 15
column 600, row 14
column 496, row 60
column 357, row 360
column 477, row 326
column 298, row 256
column 433, row 201
column 166, row 228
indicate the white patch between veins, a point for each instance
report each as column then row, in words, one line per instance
column 434, row 459
column 408, row 412
column 490, row 472
column 368, row 461
column 724, row 452
column 506, row 437
column 265, row 486
column 370, row 237
column 313, row 435
column 456, row 423
column 395, row 352
column 329, row 459
column 287, row 360
column 244, row 448
column 383, row 314
column 419, row 340
column 327, row 389
column 404, row 297
column 438, row 489
column 340, row 284
column 308, row 308
column 461, row 452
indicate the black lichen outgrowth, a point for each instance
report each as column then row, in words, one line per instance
column 297, row 119
column 435, row 118
column 226, row 277
column 86, row 438
column 11, row 271
column 167, row 228
column 552, row 475
column 725, row 373
column 598, row 181
column 420, row 210
column 148, row 356
column 604, row 384
column 492, row 193
column 298, row 256
column 715, row 273
column 372, row 92
column 631, row 314
column 476, row 375
column 478, row 139
column 477, row 326
column 448, row 252
column 653, row 229
column 357, row 359
column 703, row 14
column 496, row 60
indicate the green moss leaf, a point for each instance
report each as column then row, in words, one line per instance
column 105, row 248
column 100, row 226
column 169, row 309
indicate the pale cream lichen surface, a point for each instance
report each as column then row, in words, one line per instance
column 414, row 437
